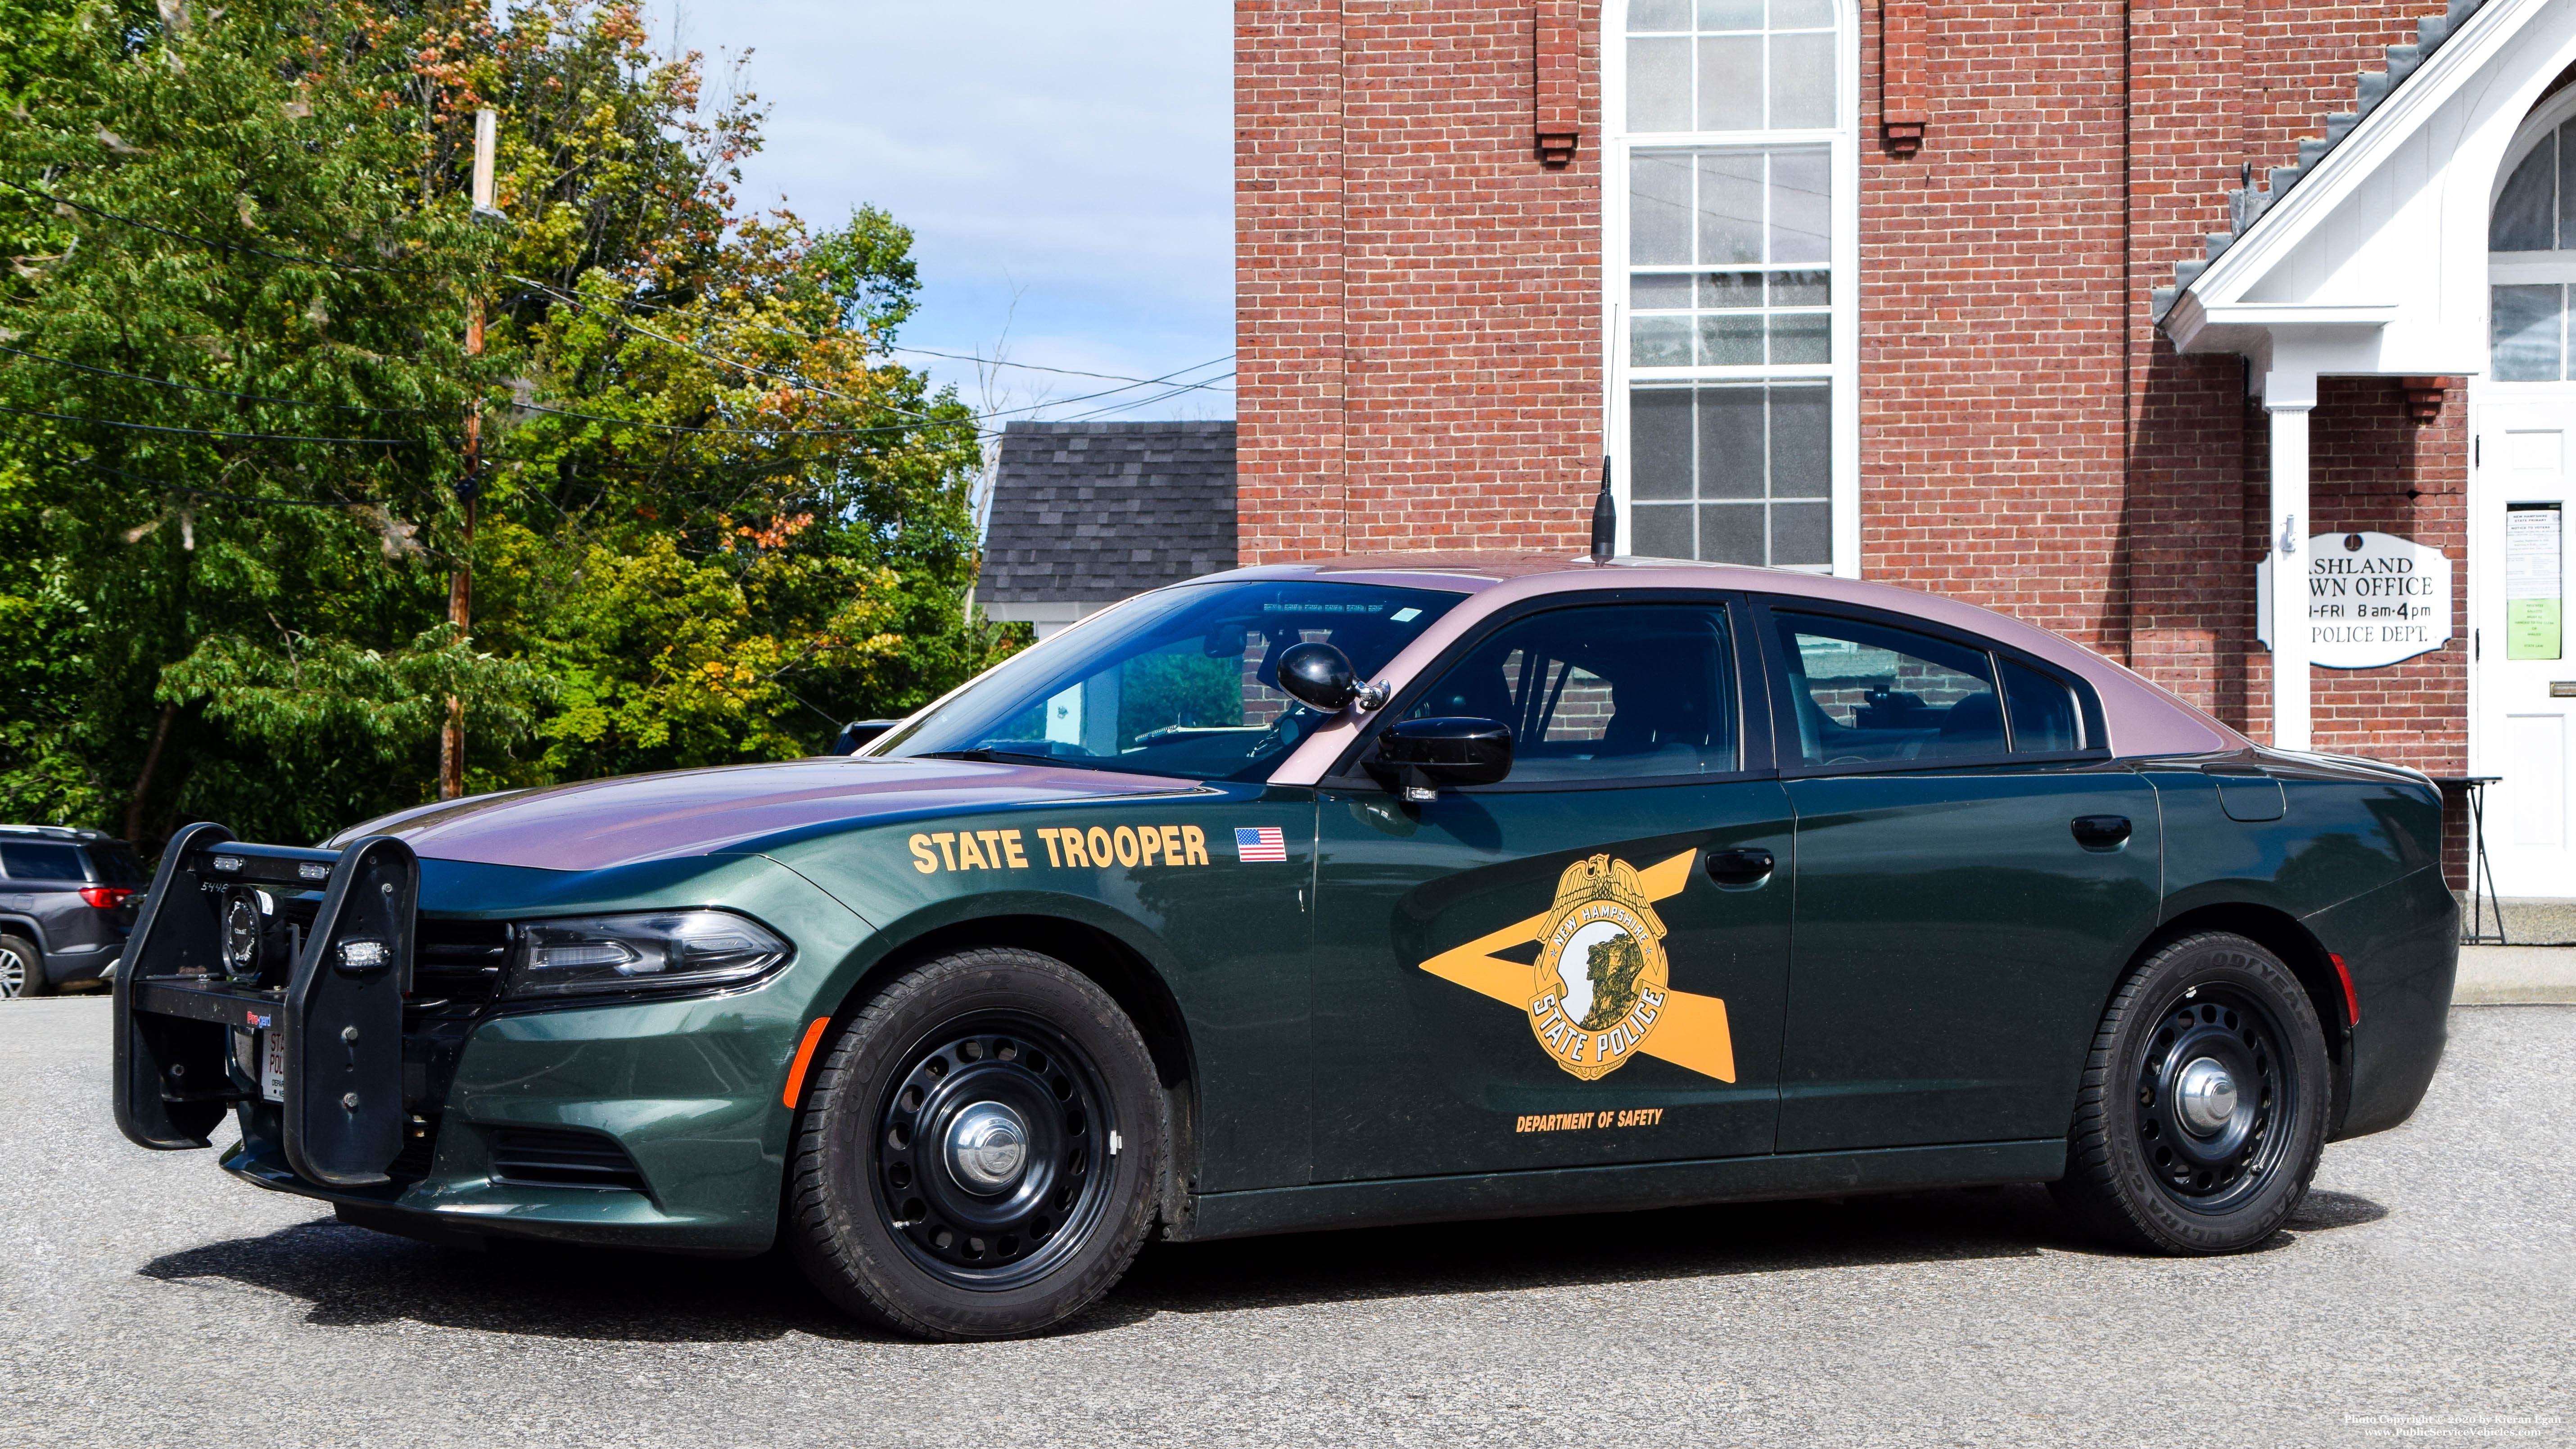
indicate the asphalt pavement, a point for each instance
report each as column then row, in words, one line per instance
column 2425, row 1293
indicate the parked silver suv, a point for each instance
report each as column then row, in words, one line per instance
column 67, row 900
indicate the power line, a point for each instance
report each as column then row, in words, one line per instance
column 931, row 351
column 205, row 241
column 695, row 351
column 1034, row 367
column 1132, row 406
column 212, row 391
column 923, row 425
column 1132, row 383
column 204, row 432
column 169, row 487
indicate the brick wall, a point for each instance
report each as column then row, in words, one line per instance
column 1991, row 277
column 1418, row 299
column 1420, row 330
column 2371, row 468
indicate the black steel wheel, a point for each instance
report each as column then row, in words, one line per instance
column 980, row 1150
column 2203, row 1106
column 22, row 969
column 983, row 1154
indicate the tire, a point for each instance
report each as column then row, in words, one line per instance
column 2203, row 1106
column 897, row 1220
column 22, row 968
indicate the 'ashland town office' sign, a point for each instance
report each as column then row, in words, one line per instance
column 2373, row 599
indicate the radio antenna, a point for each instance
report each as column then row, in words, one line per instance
column 1605, row 519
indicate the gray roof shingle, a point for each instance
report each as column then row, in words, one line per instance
column 1095, row 512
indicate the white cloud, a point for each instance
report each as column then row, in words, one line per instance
column 1078, row 158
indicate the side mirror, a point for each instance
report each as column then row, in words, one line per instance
column 1318, row 674
column 859, row 732
column 1421, row 755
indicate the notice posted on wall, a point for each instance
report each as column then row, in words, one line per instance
column 2534, row 591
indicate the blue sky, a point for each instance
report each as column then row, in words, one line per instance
column 1067, row 171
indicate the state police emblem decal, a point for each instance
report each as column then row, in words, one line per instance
column 1600, row 991
column 1602, row 982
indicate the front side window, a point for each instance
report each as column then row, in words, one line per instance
column 1628, row 691
column 1180, row 682
column 1733, row 301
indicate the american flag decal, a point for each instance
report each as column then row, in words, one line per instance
column 1264, row 843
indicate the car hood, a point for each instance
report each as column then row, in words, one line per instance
column 603, row 823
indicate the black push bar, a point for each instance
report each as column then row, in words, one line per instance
column 214, row 954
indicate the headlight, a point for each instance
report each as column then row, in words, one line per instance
column 656, row 950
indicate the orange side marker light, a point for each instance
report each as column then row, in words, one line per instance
column 2351, row 998
column 804, row 1059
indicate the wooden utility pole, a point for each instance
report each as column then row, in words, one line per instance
column 460, row 584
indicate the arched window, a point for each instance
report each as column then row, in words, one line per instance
column 2531, row 266
column 1730, row 278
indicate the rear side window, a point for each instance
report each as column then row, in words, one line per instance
column 1866, row 694
column 42, row 860
column 115, row 865
column 2045, row 719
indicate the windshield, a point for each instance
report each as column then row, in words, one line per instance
column 1184, row 681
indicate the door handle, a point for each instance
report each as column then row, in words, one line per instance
column 1738, row 867
column 2100, row 832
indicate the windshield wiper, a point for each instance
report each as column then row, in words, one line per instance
column 995, row 757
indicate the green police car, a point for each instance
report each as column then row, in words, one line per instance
column 1367, row 891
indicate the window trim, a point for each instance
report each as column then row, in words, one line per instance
column 2550, row 268
column 1842, row 373
column 1753, row 703
column 1784, row 725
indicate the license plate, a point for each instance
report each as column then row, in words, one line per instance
column 272, row 1065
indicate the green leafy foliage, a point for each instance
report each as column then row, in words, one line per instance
column 1159, row 691
column 711, row 517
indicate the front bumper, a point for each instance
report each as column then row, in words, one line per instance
column 689, row 1092
column 672, row 1107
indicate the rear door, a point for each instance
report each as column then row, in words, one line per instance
column 1544, row 972
column 1962, row 906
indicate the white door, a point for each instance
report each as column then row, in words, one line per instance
column 2523, row 681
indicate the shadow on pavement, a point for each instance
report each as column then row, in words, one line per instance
column 2324, row 1211
column 1671, row 1243
column 354, row 1277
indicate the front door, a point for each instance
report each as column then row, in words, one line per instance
column 1548, row 972
column 2524, row 686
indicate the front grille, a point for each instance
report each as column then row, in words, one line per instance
column 561, row 1157
column 458, row 963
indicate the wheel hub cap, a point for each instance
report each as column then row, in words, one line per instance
column 2214, row 1099
column 2206, row 1097
column 987, row 1145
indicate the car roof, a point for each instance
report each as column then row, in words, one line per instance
column 58, row 832
column 2144, row 717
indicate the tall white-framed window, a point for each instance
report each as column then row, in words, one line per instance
column 1729, row 277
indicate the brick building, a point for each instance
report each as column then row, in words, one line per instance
column 2078, row 310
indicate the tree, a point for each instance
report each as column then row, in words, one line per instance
column 715, row 515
